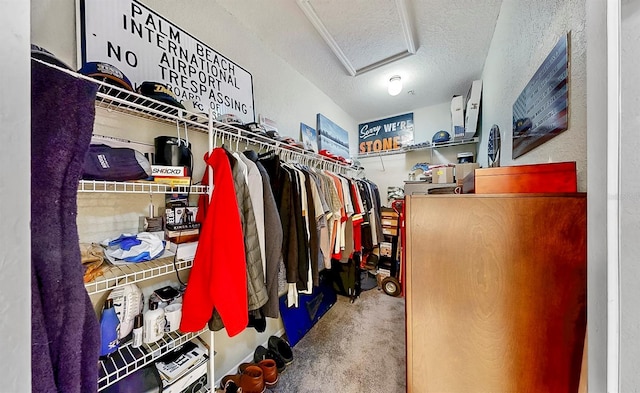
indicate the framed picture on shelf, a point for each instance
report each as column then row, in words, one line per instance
column 332, row 137
column 309, row 137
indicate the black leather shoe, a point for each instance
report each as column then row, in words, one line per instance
column 262, row 353
column 282, row 348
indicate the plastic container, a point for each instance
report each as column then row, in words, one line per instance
column 109, row 329
column 153, row 328
column 136, row 339
column 465, row 157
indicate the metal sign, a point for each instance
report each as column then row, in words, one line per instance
column 385, row 135
column 147, row 47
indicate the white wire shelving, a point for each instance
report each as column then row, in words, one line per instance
column 143, row 187
column 116, row 99
column 127, row 359
column 118, row 275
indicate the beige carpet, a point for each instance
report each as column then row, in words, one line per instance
column 355, row 348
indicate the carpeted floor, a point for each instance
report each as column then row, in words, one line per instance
column 354, row 348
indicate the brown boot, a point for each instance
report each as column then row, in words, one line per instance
column 252, row 380
column 269, row 371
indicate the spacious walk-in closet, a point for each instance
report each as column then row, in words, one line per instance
column 319, row 196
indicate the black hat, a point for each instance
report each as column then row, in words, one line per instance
column 38, row 52
column 160, row 92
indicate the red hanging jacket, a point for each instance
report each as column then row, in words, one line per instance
column 218, row 277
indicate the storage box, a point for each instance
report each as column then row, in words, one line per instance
column 389, row 222
column 442, row 175
column 390, row 231
column 387, row 212
column 457, row 118
column 537, row 178
column 385, row 249
column 462, row 170
column 186, row 251
column 184, row 236
column 472, row 109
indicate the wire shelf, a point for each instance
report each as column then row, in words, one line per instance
column 114, row 98
column 418, row 147
column 119, row 275
column 146, row 187
column 127, row 359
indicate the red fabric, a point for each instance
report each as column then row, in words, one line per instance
column 357, row 232
column 218, row 277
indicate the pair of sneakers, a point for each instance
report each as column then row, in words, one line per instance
column 278, row 350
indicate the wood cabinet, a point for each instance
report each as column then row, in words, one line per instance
column 495, row 292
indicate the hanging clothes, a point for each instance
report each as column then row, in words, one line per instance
column 257, row 290
column 218, row 279
column 272, row 238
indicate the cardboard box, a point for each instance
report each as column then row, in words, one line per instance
column 184, row 181
column 169, row 171
column 385, row 249
column 462, row 170
column 186, row 251
column 457, row 118
column 536, row 178
column 442, row 175
column 389, row 222
column 472, row 109
column 387, row 212
column 184, row 236
column 390, row 231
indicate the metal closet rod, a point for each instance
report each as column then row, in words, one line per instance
column 289, row 153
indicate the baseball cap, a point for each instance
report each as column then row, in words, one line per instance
column 159, row 92
column 38, row 52
column 229, row 118
column 194, row 112
column 441, row 136
column 107, row 73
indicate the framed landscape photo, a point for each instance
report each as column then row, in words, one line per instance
column 541, row 112
column 332, row 137
column 309, row 137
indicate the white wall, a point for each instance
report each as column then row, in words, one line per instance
column 15, row 259
column 629, row 196
column 597, row 197
column 525, row 33
column 280, row 93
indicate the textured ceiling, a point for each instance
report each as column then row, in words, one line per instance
column 451, row 37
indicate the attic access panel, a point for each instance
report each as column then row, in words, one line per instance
column 363, row 34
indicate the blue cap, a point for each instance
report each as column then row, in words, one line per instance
column 441, row 136
column 107, row 73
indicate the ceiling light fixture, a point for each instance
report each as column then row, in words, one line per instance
column 395, row 85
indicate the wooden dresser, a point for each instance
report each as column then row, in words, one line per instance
column 495, row 292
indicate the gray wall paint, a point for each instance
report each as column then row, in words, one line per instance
column 597, row 193
column 630, row 196
column 525, row 34
column 15, row 282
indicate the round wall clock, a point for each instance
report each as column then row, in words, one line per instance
column 493, row 148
